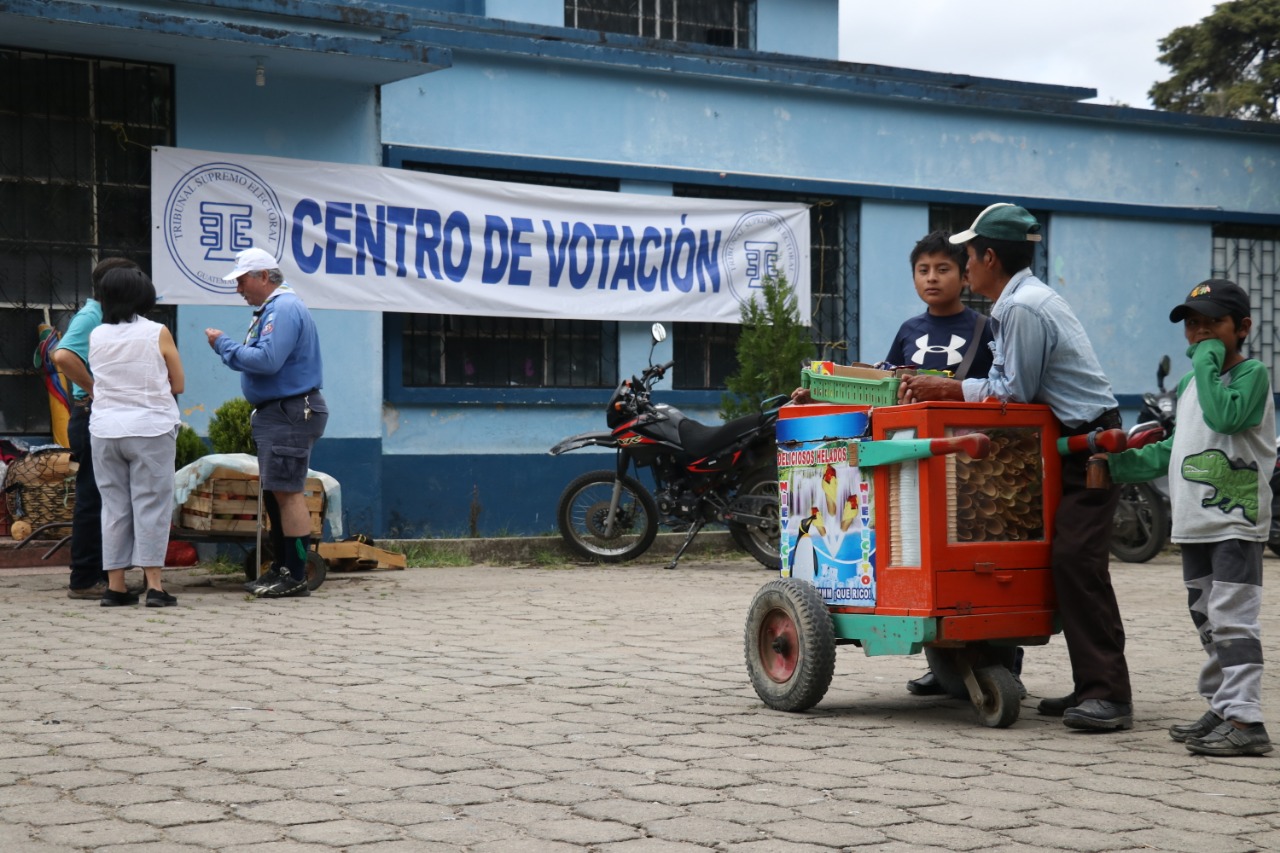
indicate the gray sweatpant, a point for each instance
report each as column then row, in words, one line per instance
column 135, row 478
column 1224, row 595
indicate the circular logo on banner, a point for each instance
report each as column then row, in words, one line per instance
column 761, row 245
column 215, row 211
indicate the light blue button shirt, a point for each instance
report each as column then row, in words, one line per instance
column 1042, row 355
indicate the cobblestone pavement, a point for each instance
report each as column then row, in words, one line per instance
column 569, row 708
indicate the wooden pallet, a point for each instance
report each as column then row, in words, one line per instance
column 350, row 556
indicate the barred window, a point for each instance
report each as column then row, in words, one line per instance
column 75, row 186
column 957, row 218
column 723, row 23
column 443, row 350
column 706, row 353
column 1250, row 256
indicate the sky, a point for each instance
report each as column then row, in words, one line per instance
column 1108, row 45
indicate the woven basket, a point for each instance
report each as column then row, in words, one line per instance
column 41, row 487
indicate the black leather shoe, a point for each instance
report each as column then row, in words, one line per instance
column 1056, row 707
column 1099, row 715
column 1201, row 727
column 1227, row 740
column 926, row 685
column 111, row 598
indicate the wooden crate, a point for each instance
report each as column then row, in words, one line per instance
column 227, row 502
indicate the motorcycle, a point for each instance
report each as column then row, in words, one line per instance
column 726, row 473
column 1142, row 523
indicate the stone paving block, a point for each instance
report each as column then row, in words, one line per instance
column 172, row 813
column 631, row 812
column 702, row 830
column 461, row 832
column 450, row 795
column 736, row 811
column 99, row 834
column 833, row 834
column 51, row 813
column 1181, row 841
column 17, row 793
column 124, row 793
column 862, row 814
column 662, row 845
column 581, row 831
column 1076, row 841
column 562, row 793
column 224, row 833
column 289, row 812
column 239, row 793
column 343, row 833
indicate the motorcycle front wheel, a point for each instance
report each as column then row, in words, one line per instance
column 765, row 542
column 1140, row 526
column 583, row 516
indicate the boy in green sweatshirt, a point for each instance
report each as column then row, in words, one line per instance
column 1219, row 462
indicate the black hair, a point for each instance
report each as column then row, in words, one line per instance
column 105, row 266
column 1014, row 255
column 939, row 243
column 126, row 293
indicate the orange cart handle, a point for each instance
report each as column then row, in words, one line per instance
column 1109, row 440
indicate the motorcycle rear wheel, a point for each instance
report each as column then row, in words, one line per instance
column 1141, row 525
column 762, row 543
column 582, row 512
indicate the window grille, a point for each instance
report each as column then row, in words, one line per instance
column 75, row 186
column 723, row 23
column 442, row 350
column 1250, row 256
column 706, row 353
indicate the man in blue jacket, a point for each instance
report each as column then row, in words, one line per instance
column 281, row 376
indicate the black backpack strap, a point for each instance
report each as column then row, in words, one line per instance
column 972, row 350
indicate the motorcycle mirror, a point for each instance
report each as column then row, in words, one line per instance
column 1162, row 371
column 659, row 333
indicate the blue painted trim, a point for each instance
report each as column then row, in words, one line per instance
column 395, row 156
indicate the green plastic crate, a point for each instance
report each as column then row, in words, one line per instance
column 849, row 390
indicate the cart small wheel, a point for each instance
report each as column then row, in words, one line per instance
column 317, row 570
column 790, row 645
column 1001, row 698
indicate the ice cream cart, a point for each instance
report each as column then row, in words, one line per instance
column 909, row 528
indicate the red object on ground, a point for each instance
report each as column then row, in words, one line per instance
column 181, row 554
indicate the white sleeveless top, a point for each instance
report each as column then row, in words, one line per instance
column 131, row 392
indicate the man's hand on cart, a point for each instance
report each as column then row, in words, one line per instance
column 922, row 387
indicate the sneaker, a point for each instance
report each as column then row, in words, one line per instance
column 1099, row 715
column 926, row 685
column 1227, row 740
column 1056, row 707
column 267, row 578
column 160, row 598
column 286, row 586
column 89, row 592
column 111, row 598
column 1201, row 727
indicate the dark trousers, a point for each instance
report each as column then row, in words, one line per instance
column 1082, row 580
column 86, row 519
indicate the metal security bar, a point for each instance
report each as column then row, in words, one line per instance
column 1251, row 258
column 507, row 352
column 75, row 185
column 706, row 352
column 724, row 23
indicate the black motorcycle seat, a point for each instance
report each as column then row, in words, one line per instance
column 701, row 440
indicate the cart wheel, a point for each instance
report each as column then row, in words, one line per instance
column 1001, row 699
column 790, row 645
column 945, row 665
column 317, row 566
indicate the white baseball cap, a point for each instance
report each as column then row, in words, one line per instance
column 252, row 260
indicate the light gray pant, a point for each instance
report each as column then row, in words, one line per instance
column 135, row 479
column 1224, row 595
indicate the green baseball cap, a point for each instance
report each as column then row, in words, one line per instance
column 1002, row 221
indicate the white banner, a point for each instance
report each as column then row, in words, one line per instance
column 369, row 238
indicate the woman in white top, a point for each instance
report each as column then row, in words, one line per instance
column 133, row 427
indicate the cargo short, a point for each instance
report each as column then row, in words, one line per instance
column 285, row 434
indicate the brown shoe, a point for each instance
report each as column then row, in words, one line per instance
column 94, row 592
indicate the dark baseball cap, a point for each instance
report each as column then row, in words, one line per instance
column 1002, row 221
column 1214, row 298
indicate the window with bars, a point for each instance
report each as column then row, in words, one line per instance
column 723, row 23
column 75, row 186
column 955, row 218
column 1250, row 256
column 446, row 350
column 706, row 353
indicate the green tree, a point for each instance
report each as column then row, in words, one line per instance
column 190, row 447
column 1227, row 65
column 772, row 348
